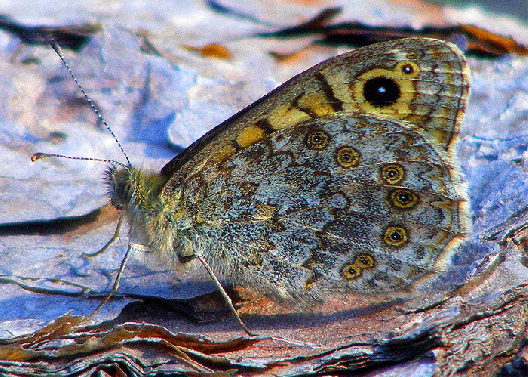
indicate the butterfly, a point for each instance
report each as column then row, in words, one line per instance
column 343, row 179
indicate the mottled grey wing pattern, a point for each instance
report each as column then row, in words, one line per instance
column 342, row 179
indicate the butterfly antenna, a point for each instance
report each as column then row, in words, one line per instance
column 56, row 48
column 39, row 155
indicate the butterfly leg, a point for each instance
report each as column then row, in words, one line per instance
column 111, row 241
column 115, row 286
column 224, row 294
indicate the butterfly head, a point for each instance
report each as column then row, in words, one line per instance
column 121, row 186
column 130, row 187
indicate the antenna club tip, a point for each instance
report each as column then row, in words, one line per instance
column 37, row 156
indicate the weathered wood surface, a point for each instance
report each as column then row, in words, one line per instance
column 174, row 96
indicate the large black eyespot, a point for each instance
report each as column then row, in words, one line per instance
column 381, row 91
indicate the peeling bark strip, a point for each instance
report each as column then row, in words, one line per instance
column 72, row 37
column 481, row 340
column 478, row 41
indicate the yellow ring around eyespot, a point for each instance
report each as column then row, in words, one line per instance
column 395, row 236
column 364, row 261
column 351, row 271
column 407, row 69
column 317, row 139
column 398, row 75
column 403, row 198
column 347, row 157
column 392, row 173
